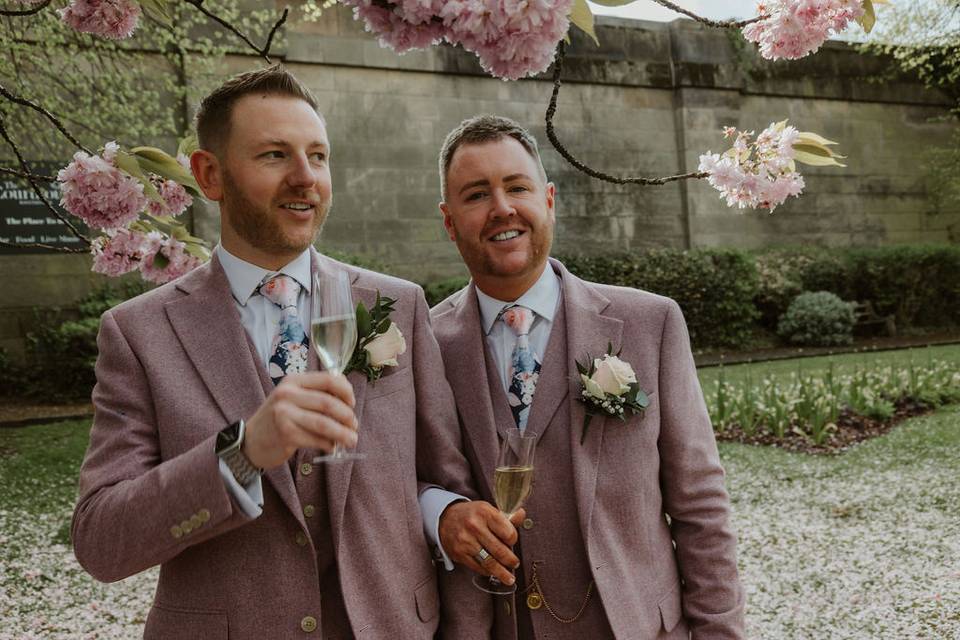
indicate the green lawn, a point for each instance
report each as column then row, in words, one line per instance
column 865, row 545
column 843, row 363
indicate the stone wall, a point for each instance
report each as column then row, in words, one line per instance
column 648, row 101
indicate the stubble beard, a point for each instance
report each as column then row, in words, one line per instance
column 478, row 260
column 259, row 228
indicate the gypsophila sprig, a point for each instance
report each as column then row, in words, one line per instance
column 380, row 340
column 610, row 388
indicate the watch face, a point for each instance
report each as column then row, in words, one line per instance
column 228, row 437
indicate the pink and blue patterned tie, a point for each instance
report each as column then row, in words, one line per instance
column 290, row 346
column 524, row 365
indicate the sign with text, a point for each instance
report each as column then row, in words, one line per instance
column 24, row 219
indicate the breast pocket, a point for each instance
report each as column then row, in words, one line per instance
column 390, row 383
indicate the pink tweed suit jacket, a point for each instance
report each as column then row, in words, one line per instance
column 175, row 367
column 645, row 497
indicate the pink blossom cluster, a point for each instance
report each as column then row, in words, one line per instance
column 758, row 174
column 175, row 200
column 512, row 38
column 166, row 259
column 795, row 28
column 160, row 258
column 114, row 19
column 99, row 193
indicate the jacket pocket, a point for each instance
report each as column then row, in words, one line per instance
column 390, row 383
column 165, row 622
column 428, row 604
column 669, row 606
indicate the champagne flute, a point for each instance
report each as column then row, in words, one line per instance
column 512, row 482
column 333, row 333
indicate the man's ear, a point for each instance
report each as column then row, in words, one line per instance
column 551, row 192
column 447, row 220
column 207, row 171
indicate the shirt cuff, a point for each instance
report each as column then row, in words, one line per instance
column 433, row 502
column 250, row 497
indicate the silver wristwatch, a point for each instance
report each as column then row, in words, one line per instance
column 230, row 450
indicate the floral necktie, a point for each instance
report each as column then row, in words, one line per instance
column 524, row 365
column 290, row 345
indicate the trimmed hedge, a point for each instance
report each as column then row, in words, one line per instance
column 715, row 288
column 817, row 319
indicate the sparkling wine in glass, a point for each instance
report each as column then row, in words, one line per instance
column 333, row 333
column 512, row 482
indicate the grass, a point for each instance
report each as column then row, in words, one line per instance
column 863, row 545
column 818, row 365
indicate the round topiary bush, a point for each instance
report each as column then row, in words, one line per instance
column 819, row 319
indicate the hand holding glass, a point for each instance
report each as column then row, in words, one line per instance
column 512, row 482
column 333, row 333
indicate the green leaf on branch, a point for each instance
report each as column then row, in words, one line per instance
column 129, row 164
column 159, row 10
column 582, row 17
column 815, row 156
column 869, row 17
column 188, row 145
column 166, row 166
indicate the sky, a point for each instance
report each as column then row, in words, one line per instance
column 714, row 9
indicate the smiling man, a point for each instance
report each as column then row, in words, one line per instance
column 626, row 532
column 209, row 414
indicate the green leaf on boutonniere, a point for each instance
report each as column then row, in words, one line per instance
column 641, row 398
column 370, row 324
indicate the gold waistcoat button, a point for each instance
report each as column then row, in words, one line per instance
column 309, row 510
column 306, row 468
column 176, row 531
column 308, row 624
column 527, row 524
column 301, row 539
column 204, row 515
column 506, row 607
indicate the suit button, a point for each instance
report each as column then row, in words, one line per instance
column 204, row 515
column 301, row 539
column 527, row 524
column 176, row 531
column 308, row 624
column 186, row 526
column 195, row 520
column 306, row 468
column 506, row 607
column 309, row 510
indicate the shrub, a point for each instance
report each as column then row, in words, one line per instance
column 818, row 319
column 437, row 292
column 715, row 288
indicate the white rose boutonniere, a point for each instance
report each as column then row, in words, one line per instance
column 379, row 340
column 610, row 388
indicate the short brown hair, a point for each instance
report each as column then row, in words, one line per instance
column 213, row 116
column 480, row 129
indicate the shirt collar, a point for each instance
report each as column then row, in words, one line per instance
column 245, row 278
column 541, row 298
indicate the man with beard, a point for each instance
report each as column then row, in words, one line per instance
column 626, row 532
column 209, row 414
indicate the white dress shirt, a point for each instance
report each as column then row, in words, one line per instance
column 261, row 320
column 543, row 298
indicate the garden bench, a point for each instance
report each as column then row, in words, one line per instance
column 866, row 317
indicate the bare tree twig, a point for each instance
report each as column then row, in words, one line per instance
column 27, row 12
column 28, row 176
column 720, row 24
column 593, row 173
column 263, row 52
column 36, row 188
column 49, row 116
column 40, row 245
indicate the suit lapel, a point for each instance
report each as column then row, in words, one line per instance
column 208, row 326
column 588, row 332
column 340, row 473
column 466, row 375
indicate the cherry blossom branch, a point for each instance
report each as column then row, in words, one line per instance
column 263, row 52
column 593, row 173
column 720, row 24
column 27, row 12
column 43, row 199
column 49, row 116
column 25, row 174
